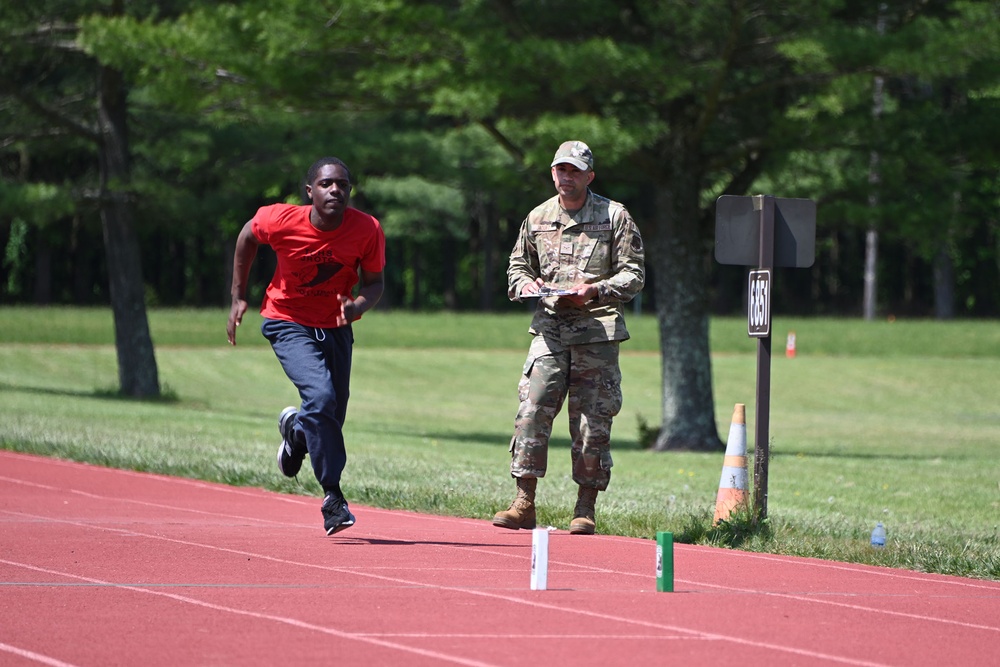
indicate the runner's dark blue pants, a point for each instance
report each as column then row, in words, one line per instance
column 318, row 362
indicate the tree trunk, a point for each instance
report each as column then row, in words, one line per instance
column 43, row 270
column 137, row 372
column 869, row 299
column 869, row 303
column 944, row 285
column 677, row 255
column 449, row 271
column 489, row 256
column 228, row 251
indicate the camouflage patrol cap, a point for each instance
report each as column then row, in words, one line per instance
column 575, row 153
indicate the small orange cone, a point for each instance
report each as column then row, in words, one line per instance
column 790, row 345
column 733, row 484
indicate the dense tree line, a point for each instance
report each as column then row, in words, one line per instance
column 884, row 114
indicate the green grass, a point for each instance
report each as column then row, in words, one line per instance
column 895, row 422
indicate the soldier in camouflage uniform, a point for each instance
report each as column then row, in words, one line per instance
column 582, row 257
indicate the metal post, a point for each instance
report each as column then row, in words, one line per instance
column 764, row 204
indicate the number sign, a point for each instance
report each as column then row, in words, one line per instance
column 759, row 304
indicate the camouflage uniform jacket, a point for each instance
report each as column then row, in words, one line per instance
column 599, row 244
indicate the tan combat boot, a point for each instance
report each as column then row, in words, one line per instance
column 521, row 513
column 583, row 515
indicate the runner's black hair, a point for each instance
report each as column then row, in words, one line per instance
column 322, row 162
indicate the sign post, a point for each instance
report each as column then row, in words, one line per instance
column 768, row 232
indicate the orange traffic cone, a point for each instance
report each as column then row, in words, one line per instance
column 790, row 345
column 733, row 484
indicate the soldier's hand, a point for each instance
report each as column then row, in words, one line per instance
column 532, row 287
column 582, row 294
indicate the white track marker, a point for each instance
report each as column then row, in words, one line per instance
column 539, row 559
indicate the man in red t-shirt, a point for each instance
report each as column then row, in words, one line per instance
column 323, row 251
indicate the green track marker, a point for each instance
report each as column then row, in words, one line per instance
column 664, row 562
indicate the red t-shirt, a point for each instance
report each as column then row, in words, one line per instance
column 314, row 266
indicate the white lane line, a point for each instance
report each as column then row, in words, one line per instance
column 397, row 580
column 402, row 514
column 257, row 495
column 554, row 563
column 262, row 616
column 34, row 657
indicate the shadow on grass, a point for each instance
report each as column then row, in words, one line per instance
column 167, row 395
column 909, row 456
column 503, row 439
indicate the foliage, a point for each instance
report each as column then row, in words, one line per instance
column 739, row 528
column 230, row 101
column 450, row 111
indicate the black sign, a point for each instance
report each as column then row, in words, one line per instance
column 737, row 232
column 759, row 304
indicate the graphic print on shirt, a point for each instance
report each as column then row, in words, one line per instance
column 323, row 273
column 318, row 267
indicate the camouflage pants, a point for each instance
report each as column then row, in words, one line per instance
column 590, row 377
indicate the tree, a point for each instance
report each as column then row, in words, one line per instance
column 518, row 72
column 943, row 134
column 935, row 68
column 39, row 50
column 682, row 102
column 677, row 101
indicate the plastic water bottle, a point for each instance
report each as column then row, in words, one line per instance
column 878, row 536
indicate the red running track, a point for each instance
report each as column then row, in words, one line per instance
column 108, row 567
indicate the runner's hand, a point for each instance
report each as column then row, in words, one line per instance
column 236, row 312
